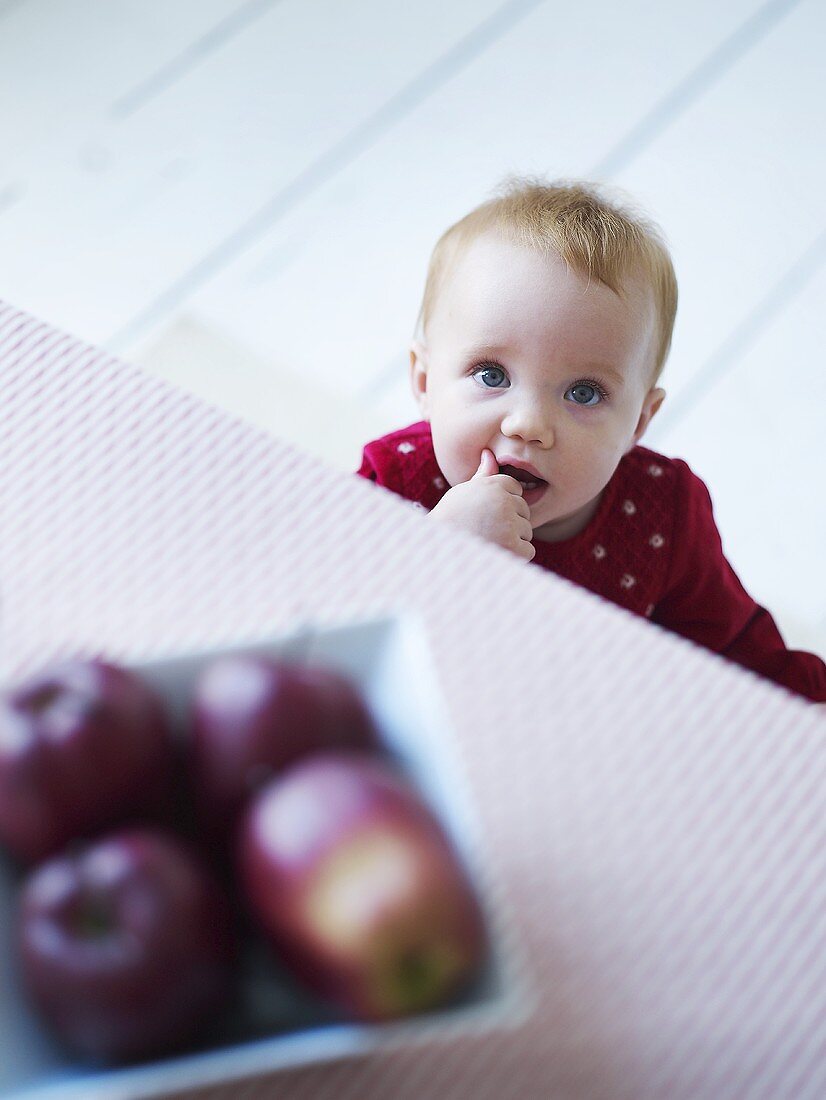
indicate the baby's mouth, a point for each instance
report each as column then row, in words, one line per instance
column 528, row 481
column 533, row 488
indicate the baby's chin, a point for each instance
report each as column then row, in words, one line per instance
column 568, row 525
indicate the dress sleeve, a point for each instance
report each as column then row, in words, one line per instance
column 705, row 601
column 368, row 467
column 377, row 465
column 403, row 462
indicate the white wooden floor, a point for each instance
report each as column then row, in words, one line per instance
column 242, row 196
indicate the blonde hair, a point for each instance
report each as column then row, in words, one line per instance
column 595, row 233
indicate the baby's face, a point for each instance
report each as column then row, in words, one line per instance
column 525, row 357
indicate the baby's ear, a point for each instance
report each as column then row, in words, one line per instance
column 650, row 406
column 418, row 376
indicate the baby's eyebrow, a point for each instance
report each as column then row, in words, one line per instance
column 479, row 350
column 610, row 372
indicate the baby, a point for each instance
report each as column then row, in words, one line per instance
column 545, row 326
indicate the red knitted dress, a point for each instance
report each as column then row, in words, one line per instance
column 652, row 547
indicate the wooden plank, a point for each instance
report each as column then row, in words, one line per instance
column 175, row 180
column 738, row 183
column 63, row 65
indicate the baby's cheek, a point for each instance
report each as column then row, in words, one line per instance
column 467, row 454
column 453, row 462
column 458, row 440
column 589, row 479
column 464, row 467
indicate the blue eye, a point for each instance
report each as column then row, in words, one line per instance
column 586, row 394
column 491, row 376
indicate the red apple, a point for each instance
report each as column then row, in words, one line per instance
column 353, row 880
column 252, row 716
column 82, row 747
column 125, row 948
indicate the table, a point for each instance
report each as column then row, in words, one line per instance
column 653, row 815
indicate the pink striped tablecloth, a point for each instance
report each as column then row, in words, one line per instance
column 655, row 816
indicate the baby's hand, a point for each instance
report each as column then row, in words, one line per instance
column 490, row 505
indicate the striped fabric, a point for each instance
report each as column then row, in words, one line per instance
column 653, row 816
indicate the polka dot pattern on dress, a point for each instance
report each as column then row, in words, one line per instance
column 626, row 555
column 406, row 448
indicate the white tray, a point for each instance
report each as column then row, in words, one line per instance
column 277, row 1025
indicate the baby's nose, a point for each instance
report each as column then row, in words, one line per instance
column 530, row 423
